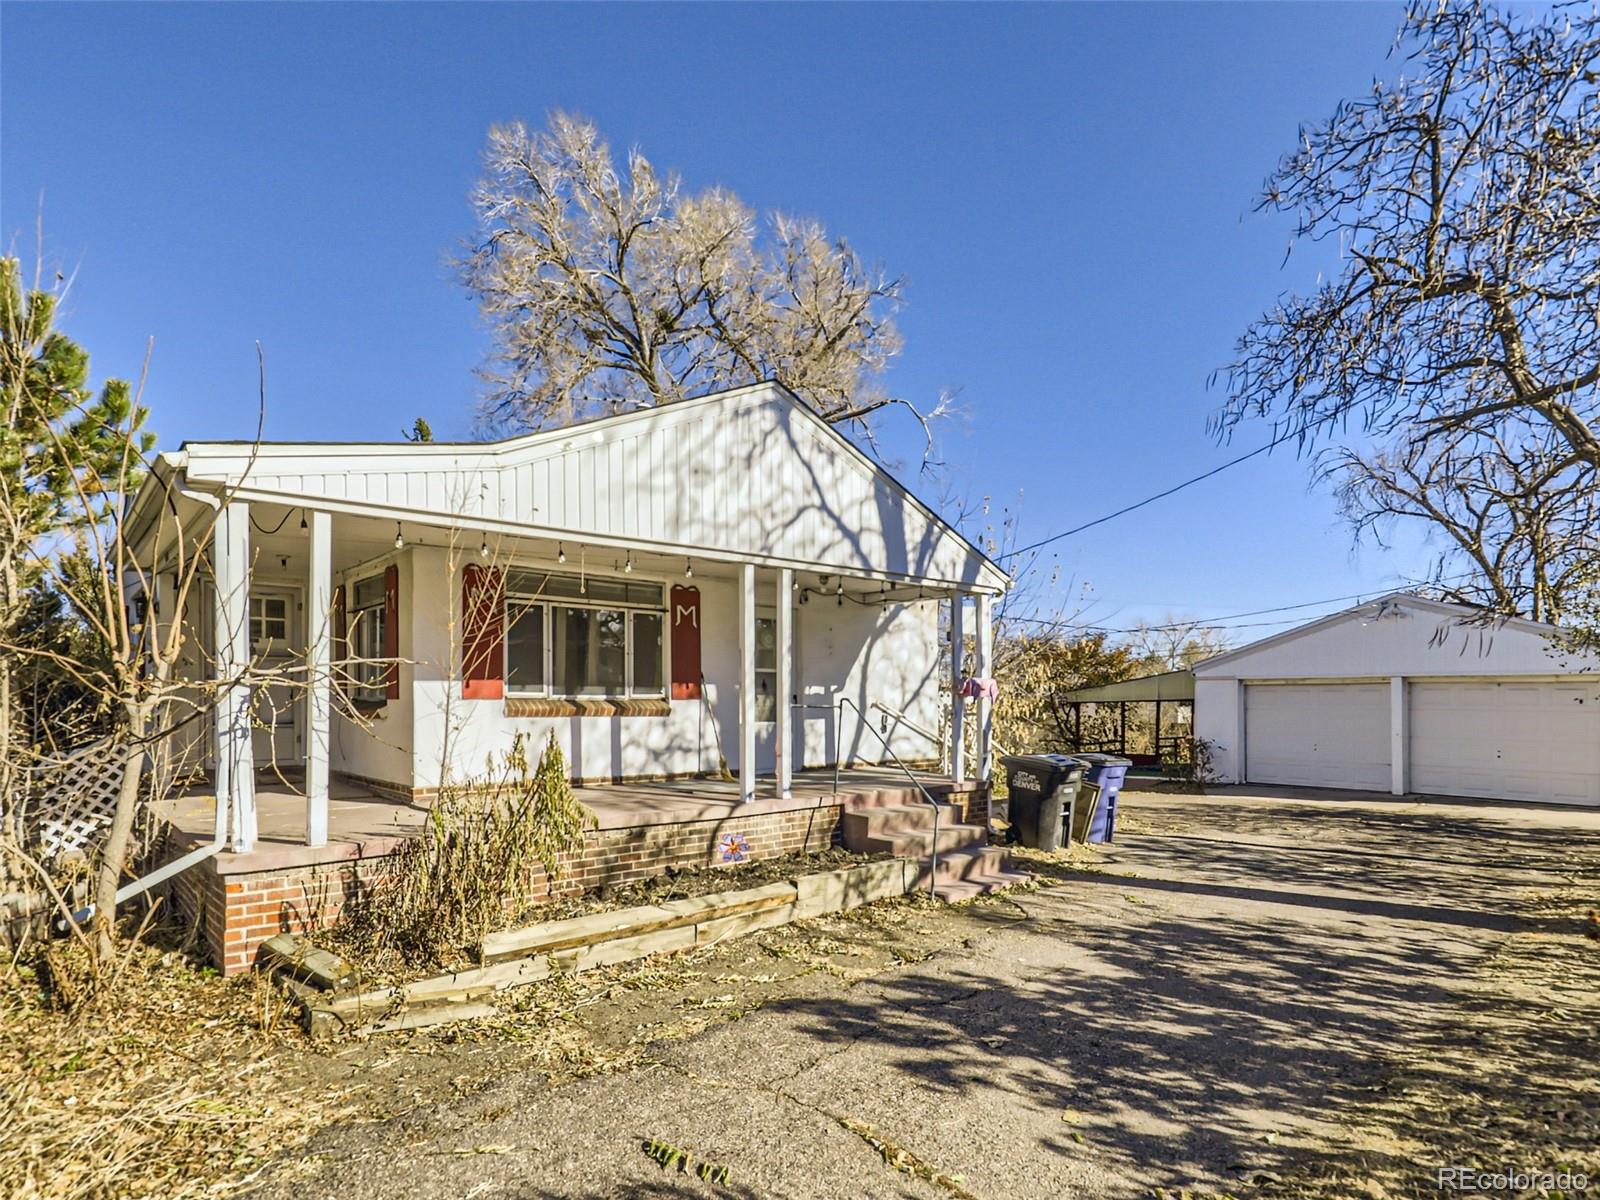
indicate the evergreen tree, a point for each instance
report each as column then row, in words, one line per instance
column 66, row 456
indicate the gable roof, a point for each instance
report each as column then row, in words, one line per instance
column 1491, row 644
column 751, row 472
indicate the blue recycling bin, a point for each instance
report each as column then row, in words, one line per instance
column 1103, row 774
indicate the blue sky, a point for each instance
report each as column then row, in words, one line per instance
column 1067, row 191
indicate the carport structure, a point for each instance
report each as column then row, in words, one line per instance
column 1167, row 698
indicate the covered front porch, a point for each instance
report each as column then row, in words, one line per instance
column 759, row 671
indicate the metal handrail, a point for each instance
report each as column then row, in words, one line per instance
column 901, row 717
column 837, row 709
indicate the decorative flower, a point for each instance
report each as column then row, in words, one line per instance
column 733, row 848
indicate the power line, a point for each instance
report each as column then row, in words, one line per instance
column 1078, row 627
column 1223, row 621
column 1177, row 487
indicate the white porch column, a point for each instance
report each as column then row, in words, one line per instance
column 236, row 768
column 958, row 703
column 319, row 661
column 983, row 668
column 1399, row 737
column 785, row 689
column 747, row 682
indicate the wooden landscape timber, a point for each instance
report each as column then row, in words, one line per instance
column 521, row 956
column 320, row 968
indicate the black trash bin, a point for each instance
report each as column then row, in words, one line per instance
column 1043, row 787
column 1102, row 785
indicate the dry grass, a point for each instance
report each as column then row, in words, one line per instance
column 176, row 1083
column 158, row 1087
column 1507, row 1081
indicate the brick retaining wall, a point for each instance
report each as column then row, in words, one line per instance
column 239, row 910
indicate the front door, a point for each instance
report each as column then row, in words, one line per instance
column 767, row 698
column 276, row 645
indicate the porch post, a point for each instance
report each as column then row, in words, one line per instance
column 747, row 682
column 236, row 768
column 785, row 699
column 958, row 702
column 985, row 669
column 319, row 659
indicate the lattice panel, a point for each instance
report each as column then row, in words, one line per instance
column 72, row 800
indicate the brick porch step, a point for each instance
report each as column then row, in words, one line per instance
column 966, row 865
column 883, row 822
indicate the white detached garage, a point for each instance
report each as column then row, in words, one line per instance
column 1406, row 694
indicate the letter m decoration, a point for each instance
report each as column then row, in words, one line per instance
column 683, row 618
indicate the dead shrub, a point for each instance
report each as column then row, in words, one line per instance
column 489, row 847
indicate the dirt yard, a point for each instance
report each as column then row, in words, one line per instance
column 1250, row 994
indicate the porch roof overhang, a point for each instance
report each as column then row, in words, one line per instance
column 1169, row 685
column 749, row 475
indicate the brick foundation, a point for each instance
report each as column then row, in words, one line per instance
column 237, row 911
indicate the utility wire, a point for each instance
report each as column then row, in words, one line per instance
column 1222, row 622
column 1177, row 487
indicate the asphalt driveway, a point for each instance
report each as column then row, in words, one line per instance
column 1195, row 1011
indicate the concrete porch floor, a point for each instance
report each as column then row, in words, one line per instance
column 363, row 824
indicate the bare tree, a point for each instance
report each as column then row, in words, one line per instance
column 129, row 577
column 1517, row 517
column 1465, row 200
column 610, row 289
column 1175, row 643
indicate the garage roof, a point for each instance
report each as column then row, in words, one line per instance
column 1401, row 634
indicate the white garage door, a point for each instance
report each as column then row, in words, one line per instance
column 1319, row 735
column 1507, row 740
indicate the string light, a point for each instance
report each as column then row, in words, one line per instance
column 688, row 569
column 483, row 548
column 399, row 538
column 561, row 553
column 627, row 567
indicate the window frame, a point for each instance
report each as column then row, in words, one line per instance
column 369, row 677
column 545, row 605
column 259, row 638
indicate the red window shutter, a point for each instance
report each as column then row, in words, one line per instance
column 483, row 614
column 391, row 630
column 341, row 640
column 684, row 621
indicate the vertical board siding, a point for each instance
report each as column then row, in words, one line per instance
column 750, row 476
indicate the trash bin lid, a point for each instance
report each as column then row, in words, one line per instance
column 1069, row 763
column 1103, row 760
column 1044, row 762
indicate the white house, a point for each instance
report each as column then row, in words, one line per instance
column 1406, row 694
column 726, row 578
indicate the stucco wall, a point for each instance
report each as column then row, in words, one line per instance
column 1219, row 721
column 867, row 652
column 378, row 745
